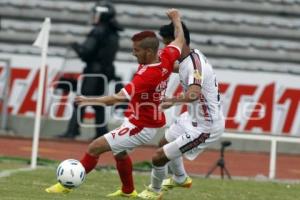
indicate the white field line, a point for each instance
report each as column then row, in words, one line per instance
column 10, row 172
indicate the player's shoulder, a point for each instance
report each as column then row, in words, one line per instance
column 186, row 63
column 193, row 58
column 199, row 55
column 170, row 49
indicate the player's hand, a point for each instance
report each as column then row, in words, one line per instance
column 165, row 104
column 173, row 14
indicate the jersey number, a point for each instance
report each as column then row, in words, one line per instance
column 123, row 131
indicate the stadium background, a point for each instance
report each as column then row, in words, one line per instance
column 253, row 45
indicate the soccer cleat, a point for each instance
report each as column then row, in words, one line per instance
column 120, row 193
column 150, row 194
column 170, row 183
column 58, row 188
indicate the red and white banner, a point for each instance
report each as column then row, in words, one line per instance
column 256, row 102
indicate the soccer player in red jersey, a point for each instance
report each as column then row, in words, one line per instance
column 143, row 117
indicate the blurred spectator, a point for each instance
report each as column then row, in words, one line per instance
column 98, row 51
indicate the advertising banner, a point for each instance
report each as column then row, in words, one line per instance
column 253, row 101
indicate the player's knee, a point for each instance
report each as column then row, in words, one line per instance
column 162, row 142
column 98, row 146
column 159, row 159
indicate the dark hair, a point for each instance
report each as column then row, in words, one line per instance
column 167, row 31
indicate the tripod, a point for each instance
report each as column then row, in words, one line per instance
column 221, row 162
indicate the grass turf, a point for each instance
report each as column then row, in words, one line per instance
column 30, row 185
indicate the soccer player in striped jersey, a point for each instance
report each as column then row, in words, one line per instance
column 202, row 124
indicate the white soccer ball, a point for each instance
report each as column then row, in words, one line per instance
column 70, row 173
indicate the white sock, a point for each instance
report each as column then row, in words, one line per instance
column 158, row 174
column 177, row 167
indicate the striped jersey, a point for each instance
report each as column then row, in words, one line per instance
column 195, row 69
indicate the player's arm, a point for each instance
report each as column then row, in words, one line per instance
column 176, row 67
column 174, row 16
column 173, row 50
column 106, row 100
column 192, row 94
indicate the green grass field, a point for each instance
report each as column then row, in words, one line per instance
column 30, row 185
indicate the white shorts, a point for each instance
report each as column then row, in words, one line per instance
column 188, row 140
column 128, row 136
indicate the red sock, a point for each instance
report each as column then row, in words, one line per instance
column 89, row 162
column 124, row 167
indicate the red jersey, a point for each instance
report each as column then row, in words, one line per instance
column 147, row 88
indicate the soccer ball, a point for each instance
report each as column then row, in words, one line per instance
column 70, row 173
